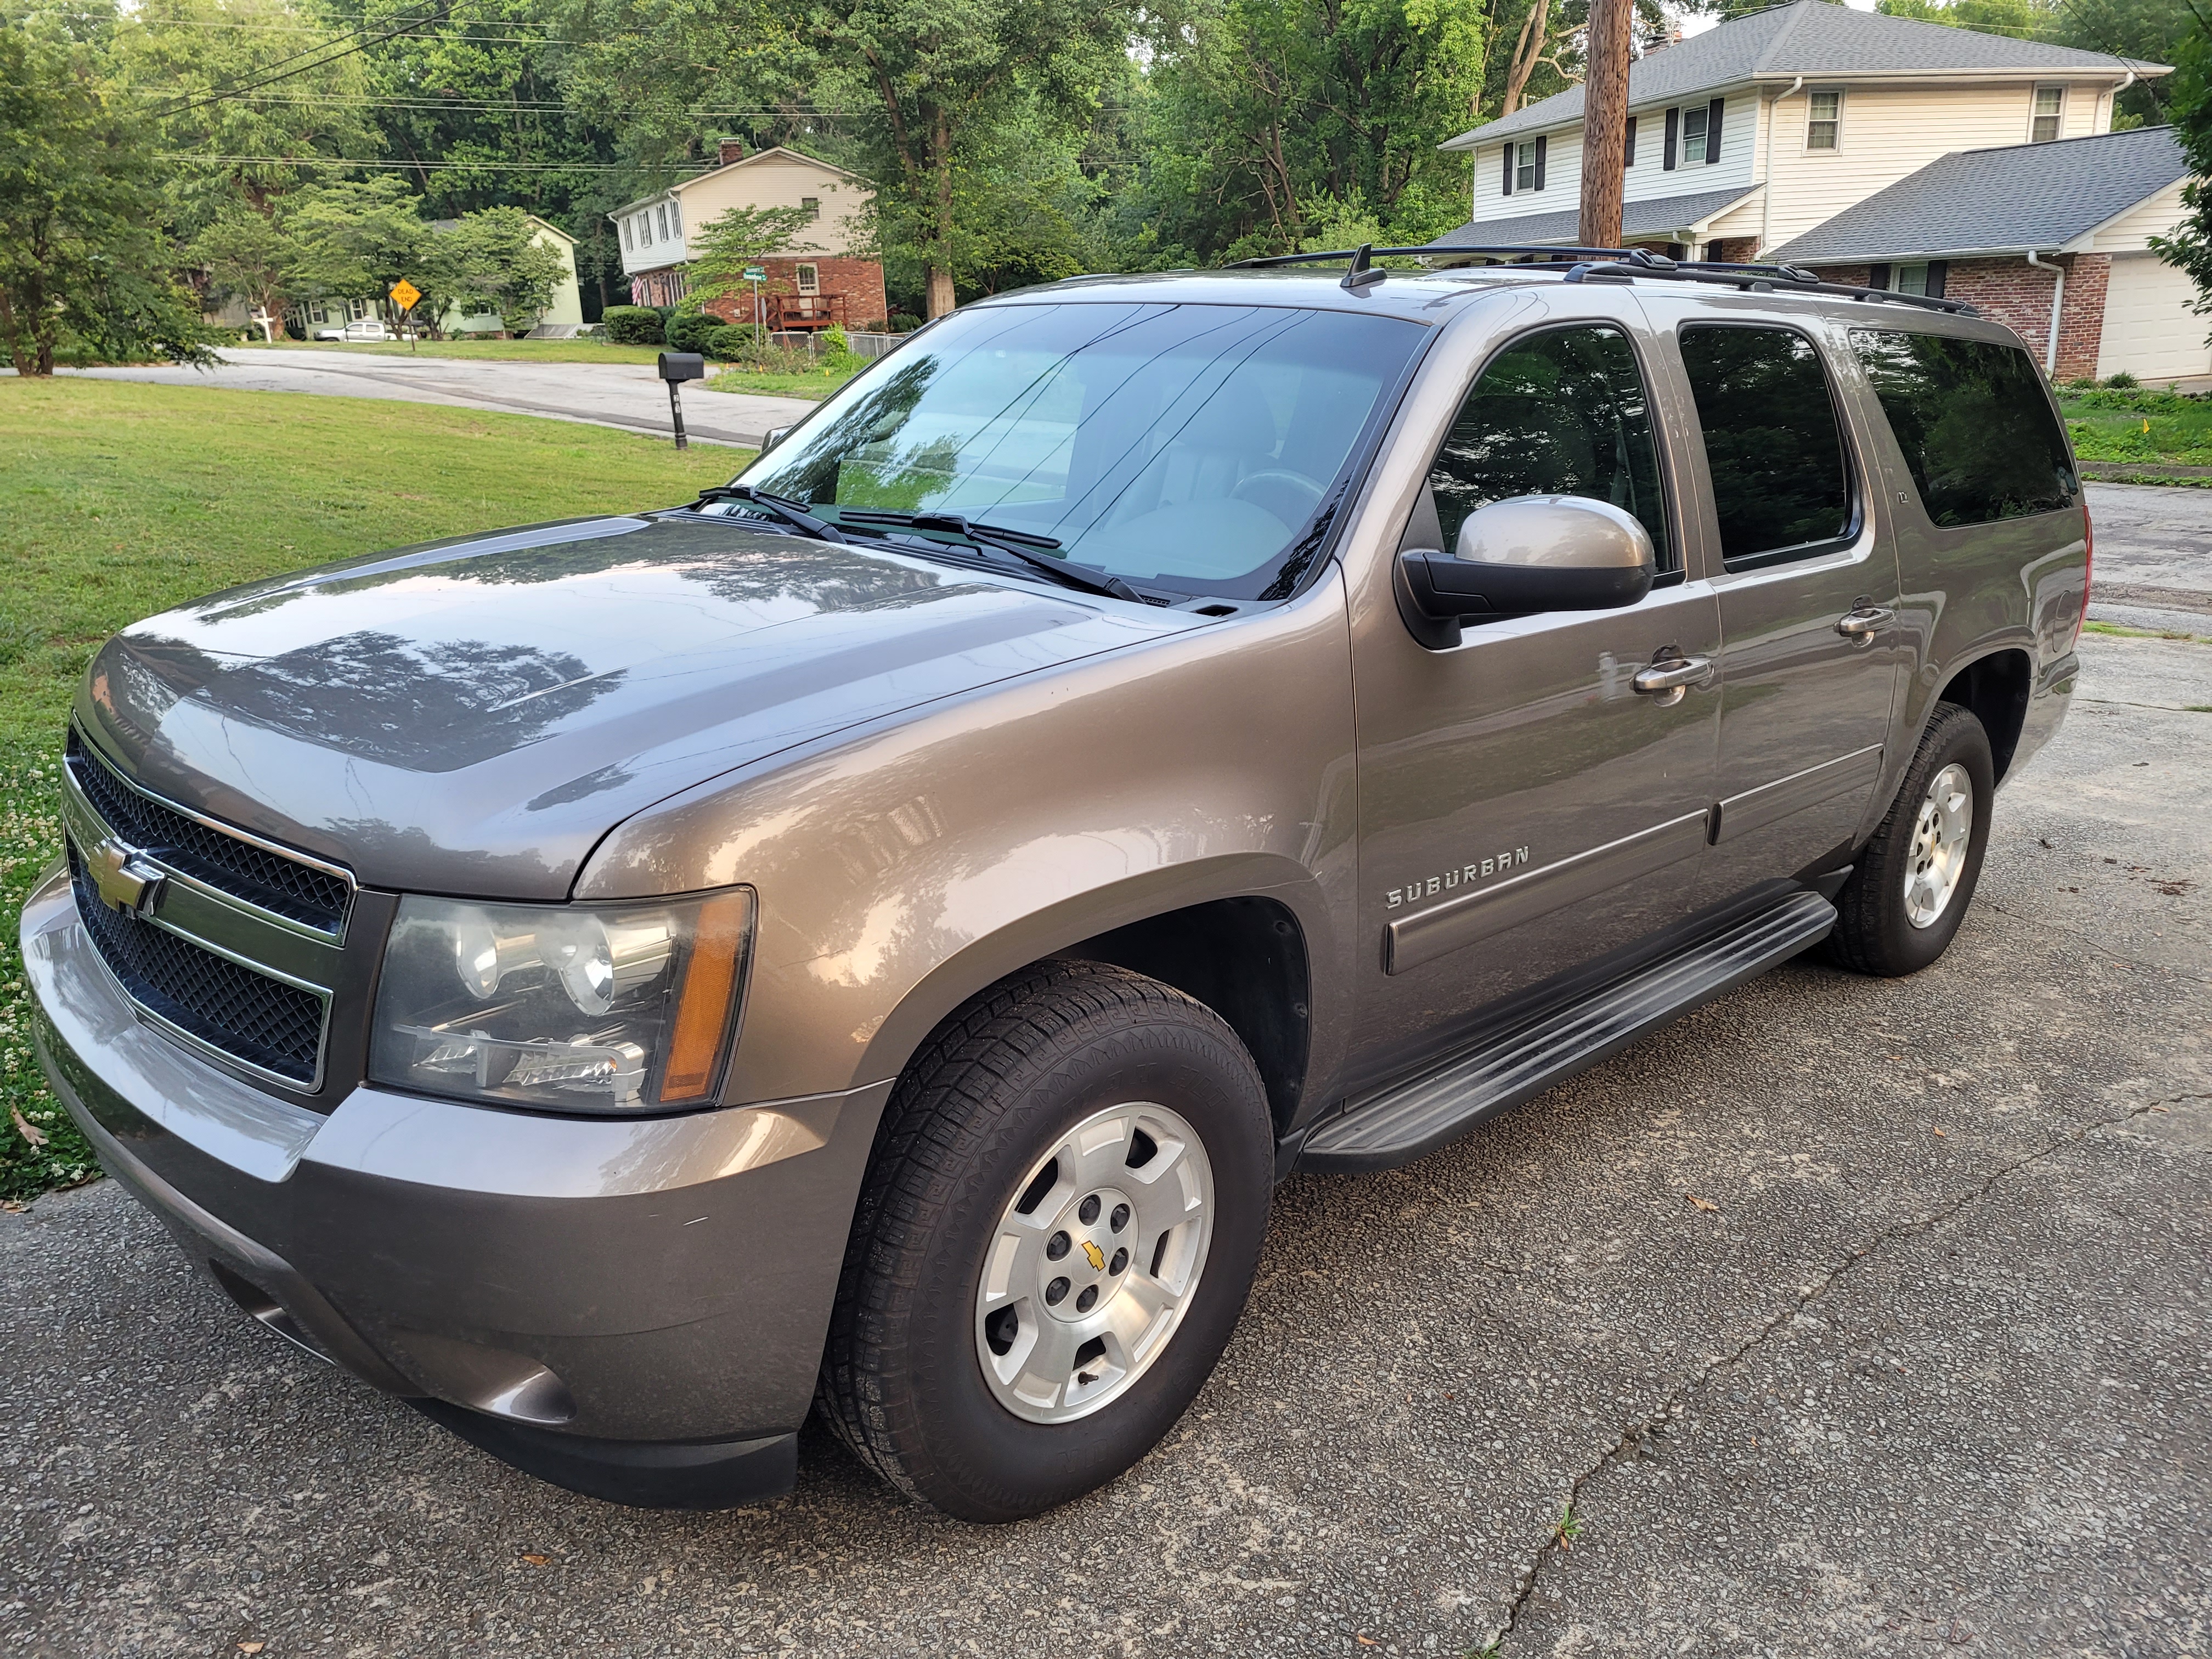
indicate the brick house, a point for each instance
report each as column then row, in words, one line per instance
column 816, row 281
column 2052, row 241
column 1826, row 136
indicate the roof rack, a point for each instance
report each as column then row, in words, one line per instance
column 1613, row 265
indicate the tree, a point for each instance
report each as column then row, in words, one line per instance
column 722, row 248
column 248, row 256
column 490, row 261
column 82, row 251
column 357, row 239
column 2190, row 98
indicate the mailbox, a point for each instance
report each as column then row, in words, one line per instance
column 682, row 365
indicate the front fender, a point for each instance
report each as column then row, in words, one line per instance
column 902, row 868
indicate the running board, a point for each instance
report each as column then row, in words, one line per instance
column 1408, row 1120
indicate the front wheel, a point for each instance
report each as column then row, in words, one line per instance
column 1057, row 1233
column 1909, row 891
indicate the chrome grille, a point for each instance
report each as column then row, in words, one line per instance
column 270, row 880
column 269, row 1024
column 229, row 942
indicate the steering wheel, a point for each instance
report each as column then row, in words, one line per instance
column 1289, row 496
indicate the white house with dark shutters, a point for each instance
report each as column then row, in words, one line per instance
column 1745, row 140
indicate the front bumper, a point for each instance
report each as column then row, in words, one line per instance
column 632, row 1308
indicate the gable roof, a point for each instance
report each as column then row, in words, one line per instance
column 775, row 151
column 1811, row 37
column 1999, row 201
column 1659, row 217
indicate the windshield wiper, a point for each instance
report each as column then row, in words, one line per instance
column 791, row 513
column 1019, row 544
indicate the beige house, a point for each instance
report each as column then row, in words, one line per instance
column 1746, row 141
column 814, row 281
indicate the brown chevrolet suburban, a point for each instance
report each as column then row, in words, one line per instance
column 872, row 937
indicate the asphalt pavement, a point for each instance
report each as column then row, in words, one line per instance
column 627, row 395
column 1847, row 1316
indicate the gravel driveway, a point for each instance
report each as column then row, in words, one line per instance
column 1847, row 1316
column 628, row 395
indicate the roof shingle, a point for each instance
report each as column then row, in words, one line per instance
column 1998, row 201
column 1638, row 219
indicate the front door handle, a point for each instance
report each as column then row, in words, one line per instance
column 1864, row 622
column 1670, row 680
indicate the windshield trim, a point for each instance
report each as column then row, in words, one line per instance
column 1314, row 546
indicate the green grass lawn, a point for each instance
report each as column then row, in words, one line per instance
column 117, row 500
column 811, row 384
column 531, row 351
column 2174, row 431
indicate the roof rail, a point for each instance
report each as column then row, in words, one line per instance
column 1616, row 264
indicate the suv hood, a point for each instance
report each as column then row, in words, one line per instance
column 471, row 717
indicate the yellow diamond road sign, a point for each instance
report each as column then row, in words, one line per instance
column 405, row 293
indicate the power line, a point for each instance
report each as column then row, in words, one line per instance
column 528, row 106
column 287, row 75
column 428, row 167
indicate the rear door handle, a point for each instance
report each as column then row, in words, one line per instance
column 1669, row 680
column 1864, row 623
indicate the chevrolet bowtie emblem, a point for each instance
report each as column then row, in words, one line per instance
column 123, row 877
column 1095, row 1256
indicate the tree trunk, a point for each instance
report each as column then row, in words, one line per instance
column 940, row 254
column 1605, row 122
column 1527, row 50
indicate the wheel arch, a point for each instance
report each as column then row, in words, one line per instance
column 1237, row 933
column 1994, row 686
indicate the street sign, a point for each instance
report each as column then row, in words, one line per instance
column 405, row 293
column 756, row 274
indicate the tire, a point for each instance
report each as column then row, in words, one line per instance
column 1881, row 928
column 978, row 1126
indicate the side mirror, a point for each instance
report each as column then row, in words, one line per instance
column 1529, row 554
column 776, row 434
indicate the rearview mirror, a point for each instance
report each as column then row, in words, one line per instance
column 1529, row 554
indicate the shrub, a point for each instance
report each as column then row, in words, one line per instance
column 732, row 341
column 900, row 322
column 633, row 325
column 688, row 330
column 834, row 342
column 2122, row 381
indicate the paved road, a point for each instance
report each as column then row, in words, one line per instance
column 2154, row 556
column 1928, row 1374
column 605, row 394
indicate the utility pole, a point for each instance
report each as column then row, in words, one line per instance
column 1605, row 121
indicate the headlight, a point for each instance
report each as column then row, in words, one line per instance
column 619, row 1008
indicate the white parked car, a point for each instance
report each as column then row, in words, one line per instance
column 369, row 329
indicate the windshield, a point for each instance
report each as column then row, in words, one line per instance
column 1184, row 447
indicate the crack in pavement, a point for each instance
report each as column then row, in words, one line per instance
column 2110, row 955
column 1654, row 1424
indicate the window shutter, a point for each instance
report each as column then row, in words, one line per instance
column 1674, row 138
column 1507, row 152
column 1540, row 144
column 1938, row 269
column 1713, row 114
column 1878, row 276
column 1628, row 147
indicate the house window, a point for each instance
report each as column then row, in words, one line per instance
column 676, row 217
column 660, row 219
column 356, row 309
column 1910, row 279
column 625, row 225
column 1694, row 135
column 1524, row 167
column 2050, row 106
column 1628, row 144
column 811, row 206
column 810, row 279
column 1824, row 119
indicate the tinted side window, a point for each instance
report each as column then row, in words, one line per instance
column 1972, row 418
column 1560, row 413
column 1772, row 445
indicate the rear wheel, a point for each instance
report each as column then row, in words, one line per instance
column 1908, row 893
column 1057, row 1233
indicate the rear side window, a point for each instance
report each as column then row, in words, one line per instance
column 1559, row 413
column 1975, row 426
column 1780, row 487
